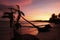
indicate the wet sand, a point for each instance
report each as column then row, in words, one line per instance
column 54, row 34
column 6, row 33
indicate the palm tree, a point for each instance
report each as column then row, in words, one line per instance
column 9, row 15
column 19, row 13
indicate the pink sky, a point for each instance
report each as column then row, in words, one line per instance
column 36, row 9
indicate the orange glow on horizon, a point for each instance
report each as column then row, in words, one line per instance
column 38, row 13
column 34, row 9
column 38, row 17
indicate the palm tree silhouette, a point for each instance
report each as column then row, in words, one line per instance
column 10, row 16
column 19, row 13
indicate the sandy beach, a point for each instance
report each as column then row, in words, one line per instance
column 6, row 33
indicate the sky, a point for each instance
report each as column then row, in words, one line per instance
column 33, row 9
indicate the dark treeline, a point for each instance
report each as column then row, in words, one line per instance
column 55, row 19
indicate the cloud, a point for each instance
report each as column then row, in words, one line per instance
column 8, row 2
column 3, row 7
column 45, row 1
column 24, row 2
column 14, row 2
column 5, row 4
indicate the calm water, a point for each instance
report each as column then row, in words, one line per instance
column 40, row 24
column 5, row 23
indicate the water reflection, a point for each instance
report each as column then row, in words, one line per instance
column 24, row 30
column 40, row 24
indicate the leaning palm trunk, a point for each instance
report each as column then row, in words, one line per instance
column 45, row 29
column 30, row 23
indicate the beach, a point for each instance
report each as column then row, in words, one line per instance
column 6, row 33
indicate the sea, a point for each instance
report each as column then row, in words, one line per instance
column 23, row 23
column 40, row 24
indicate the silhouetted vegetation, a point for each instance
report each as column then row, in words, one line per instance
column 55, row 19
column 40, row 21
column 16, row 25
column 10, row 16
